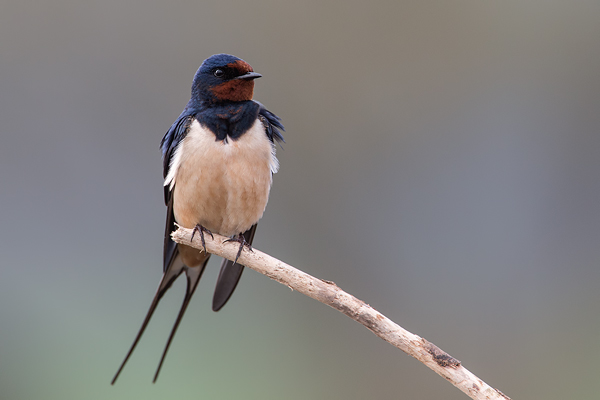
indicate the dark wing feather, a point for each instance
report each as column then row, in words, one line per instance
column 229, row 276
column 176, row 133
column 168, row 145
column 170, row 251
column 272, row 123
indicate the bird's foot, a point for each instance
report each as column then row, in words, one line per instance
column 200, row 229
column 242, row 241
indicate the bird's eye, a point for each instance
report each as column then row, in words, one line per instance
column 219, row 73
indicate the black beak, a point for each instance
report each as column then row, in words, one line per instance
column 249, row 75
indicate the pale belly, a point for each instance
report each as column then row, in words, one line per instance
column 222, row 186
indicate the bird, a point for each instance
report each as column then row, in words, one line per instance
column 218, row 163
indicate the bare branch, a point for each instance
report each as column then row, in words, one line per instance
column 329, row 293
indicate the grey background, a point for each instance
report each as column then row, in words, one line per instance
column 442, row 164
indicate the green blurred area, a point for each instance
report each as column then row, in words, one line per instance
column 441, row 164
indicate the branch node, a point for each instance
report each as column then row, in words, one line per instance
column 442, row 358
column 329, row 282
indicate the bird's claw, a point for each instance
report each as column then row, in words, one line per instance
column 242, row 241
column 200, row 229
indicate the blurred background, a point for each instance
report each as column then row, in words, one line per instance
column 442, row 164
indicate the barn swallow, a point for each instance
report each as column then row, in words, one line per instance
column 218, row 163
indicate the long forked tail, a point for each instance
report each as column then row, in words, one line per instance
column 170, row 275
column 193, row 277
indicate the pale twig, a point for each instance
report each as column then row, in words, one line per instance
column 329, row 293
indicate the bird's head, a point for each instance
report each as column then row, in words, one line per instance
column 223, row 77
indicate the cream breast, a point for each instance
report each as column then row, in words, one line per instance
column 221, row 185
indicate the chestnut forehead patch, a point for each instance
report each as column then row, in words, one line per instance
column 241, row 66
